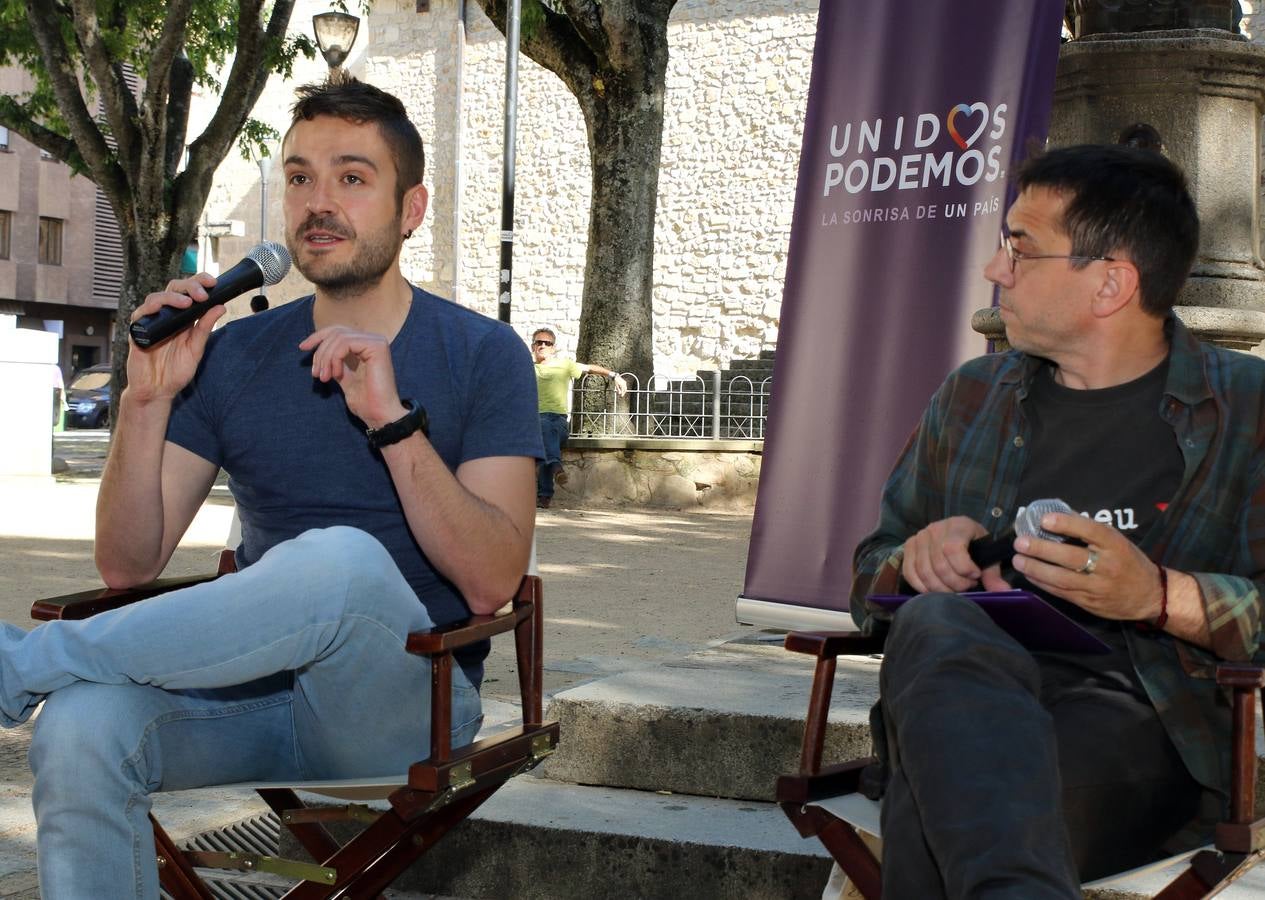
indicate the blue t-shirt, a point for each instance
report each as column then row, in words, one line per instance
column 298, row 459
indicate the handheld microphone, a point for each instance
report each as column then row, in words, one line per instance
column 267, row 263
column 986, row 551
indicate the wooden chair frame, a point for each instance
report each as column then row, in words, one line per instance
column 438, row 793
column 1239, row 841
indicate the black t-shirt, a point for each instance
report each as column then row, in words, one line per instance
column 1111, row 457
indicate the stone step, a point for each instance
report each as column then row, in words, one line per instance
column 723, row 722
column 710, row 722
column 541, row 839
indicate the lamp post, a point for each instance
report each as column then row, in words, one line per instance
column 259, row 302
column 335, row 33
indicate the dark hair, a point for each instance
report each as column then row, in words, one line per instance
column 345, row 97
column 549, row 331
column 1123, row 200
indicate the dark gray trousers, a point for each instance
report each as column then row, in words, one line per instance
column 1010, row 779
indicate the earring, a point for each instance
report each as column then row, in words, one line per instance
column 408, row 234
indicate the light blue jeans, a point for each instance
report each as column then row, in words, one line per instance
column 294, row 668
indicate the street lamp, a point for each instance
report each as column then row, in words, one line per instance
column 335, row 33
column 259, row 302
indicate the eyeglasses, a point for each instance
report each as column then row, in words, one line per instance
column 542, row 343
column 1013, row 256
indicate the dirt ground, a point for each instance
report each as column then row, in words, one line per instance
column 623, row 588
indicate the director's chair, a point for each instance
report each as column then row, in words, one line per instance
column 825, row 801
column 436, row 793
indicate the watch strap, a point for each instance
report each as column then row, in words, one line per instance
column 394, row 432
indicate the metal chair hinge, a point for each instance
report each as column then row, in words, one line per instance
column 460, row 777
column 252, row 862
column 541, row 746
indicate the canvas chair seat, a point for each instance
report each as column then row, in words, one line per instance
column 422, row 805
column 862, row 814
column 824, row 801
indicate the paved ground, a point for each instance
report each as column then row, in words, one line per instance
column 623, row 589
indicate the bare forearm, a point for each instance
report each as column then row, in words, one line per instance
column 129, row 504
column 473, row 542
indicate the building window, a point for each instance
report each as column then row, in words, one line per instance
column 50, row 241
column 6, row 228
column 4, row 138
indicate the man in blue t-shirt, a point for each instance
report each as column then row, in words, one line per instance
column 380, row 443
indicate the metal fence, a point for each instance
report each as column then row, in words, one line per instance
column 711, row 409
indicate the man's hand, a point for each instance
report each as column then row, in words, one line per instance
column 161, row 372
column 620, row 385
column 936, row 558
column 1124, row 583
column 361, row 364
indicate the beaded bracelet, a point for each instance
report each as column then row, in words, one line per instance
column 1162, row 618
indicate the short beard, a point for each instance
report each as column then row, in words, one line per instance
column 363, row 272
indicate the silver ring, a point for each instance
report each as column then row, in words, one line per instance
column 1091, row 563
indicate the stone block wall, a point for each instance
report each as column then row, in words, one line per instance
column 710, row 476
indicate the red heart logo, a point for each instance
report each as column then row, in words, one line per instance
column 967, row 111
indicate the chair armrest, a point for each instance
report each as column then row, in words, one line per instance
column 464, row 632
column 1241, row 675
column 88, row 603
column 524, row 618
column 1240, row 834
column 828, row 781
column 824, row 644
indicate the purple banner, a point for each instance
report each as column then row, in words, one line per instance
column 916, row 114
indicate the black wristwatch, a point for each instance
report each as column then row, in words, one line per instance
column 394, row 432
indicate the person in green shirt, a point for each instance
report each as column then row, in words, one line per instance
column 554, row 375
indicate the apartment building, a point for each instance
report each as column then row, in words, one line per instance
column 60, row 254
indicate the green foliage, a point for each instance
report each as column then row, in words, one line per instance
column 128, row 31
column 532, row 16
column 255, row 138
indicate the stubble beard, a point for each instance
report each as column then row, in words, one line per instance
column 375, row 255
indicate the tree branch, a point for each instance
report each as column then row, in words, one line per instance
column 88, row 140
column 179, row 96
column 242, row 88
column 624, row 21
column 556, row 45
column 586, row 18
column 17, row 118
column 117, row 100
column 165, row 50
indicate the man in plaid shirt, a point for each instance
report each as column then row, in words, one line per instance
column 1021, row 773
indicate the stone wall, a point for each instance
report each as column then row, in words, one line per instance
column 720, row 475
column 737, row 85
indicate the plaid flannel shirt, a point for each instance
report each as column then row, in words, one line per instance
column 965, row 459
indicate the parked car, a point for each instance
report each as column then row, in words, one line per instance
column 88, row 398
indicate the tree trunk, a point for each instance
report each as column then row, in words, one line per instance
column 625, row 134
column 147, row 267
